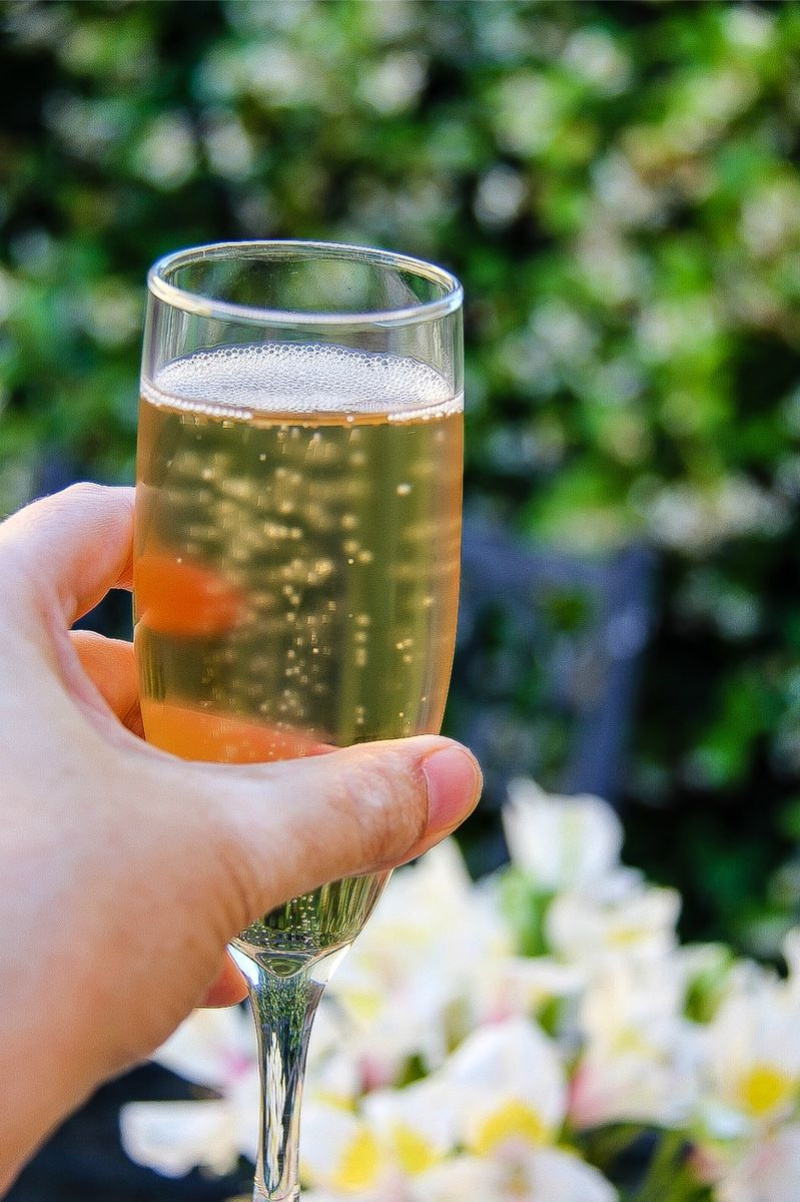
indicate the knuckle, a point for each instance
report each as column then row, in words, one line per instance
column 84, row 495
column 85, row 490
column 97, row 499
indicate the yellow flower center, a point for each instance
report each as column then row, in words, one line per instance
column 359, row 1166
column 764, row 1088
column 624, row 936
column 363, row 1003
column 513, row 1120
column 339, row 1101
column 414, row 1153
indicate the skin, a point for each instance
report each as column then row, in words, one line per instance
column 123, row 870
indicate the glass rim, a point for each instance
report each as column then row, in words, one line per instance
column 162, row 289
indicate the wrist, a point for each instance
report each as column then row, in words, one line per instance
column 48, row 1063
column 41, row 1086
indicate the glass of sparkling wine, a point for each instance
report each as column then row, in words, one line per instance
column 298, row 521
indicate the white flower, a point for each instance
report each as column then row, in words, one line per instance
column 510, row 1087
column 212, row 1047
column 416, row 1125
column 167, row 155
column 413, row 983
column 393, row 85
column 459, row 1179
column 752, row 1055
column 560, row 842
column 400, row 1135
column 621, row 916
column 749, row 28
column 594, row 55
column 455, row 1180
column 544, row 1175
column 500, row 196
column 521, row 985
column 434, row 984
column 316, row 1195
column 770, row 221
column 338, row 1151
column 769, row 1172
column 634, row 994
column 639, row 1061
column 501, row 1096
column 527, row 112
column 175, row 1137
column 694, row 519
column 624, row 196
column 551, row 1175
column 215, row 1048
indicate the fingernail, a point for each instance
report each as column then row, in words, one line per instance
column 454, row 783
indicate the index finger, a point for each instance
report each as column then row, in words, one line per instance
column 74, row 546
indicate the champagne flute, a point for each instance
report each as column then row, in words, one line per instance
column 297, row 538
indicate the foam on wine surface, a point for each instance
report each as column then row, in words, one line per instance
column 301, row 380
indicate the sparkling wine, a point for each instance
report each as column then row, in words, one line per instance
column 297, row 545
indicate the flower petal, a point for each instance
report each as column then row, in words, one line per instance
column 560, row 842
column 175, row 1137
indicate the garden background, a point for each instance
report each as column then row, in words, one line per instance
column 617, row 187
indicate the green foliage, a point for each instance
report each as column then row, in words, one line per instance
column 525, row 909
column 616, row 186
column 652, row 1165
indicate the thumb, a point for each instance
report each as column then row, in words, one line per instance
column 287, row 828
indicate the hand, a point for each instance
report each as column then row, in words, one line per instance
column 124, row 871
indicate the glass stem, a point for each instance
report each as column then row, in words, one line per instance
column 283, row 1011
